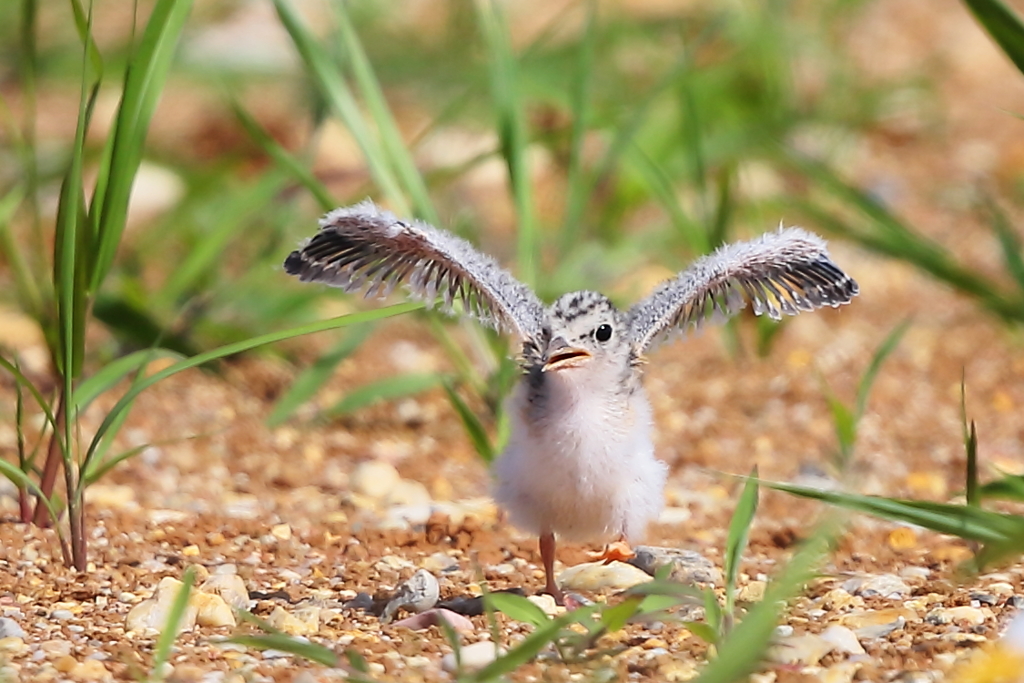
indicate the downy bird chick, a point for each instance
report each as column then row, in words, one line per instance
column 580, row 460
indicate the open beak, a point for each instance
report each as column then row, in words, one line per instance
column 561, row 356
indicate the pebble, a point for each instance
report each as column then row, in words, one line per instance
column 231, row 587
column 91, row 670
column 374, row 479
column 433, row 617
column 752, row 592
column 839, row 599
column 843, row 639
column 62, row 614
column 439, row 562
column 304, row 622
column 806, row 649
column 592, row 576
column 12, row 646
column 878, row 623
column 418, row 594
column 406, row 493
column 9, row 628
column 473, row 657
column 688, row 566
column 881, row 585
column 547, row 604
column 55, row 648
column 211, row 610
column 964, row 613
column 152, row 614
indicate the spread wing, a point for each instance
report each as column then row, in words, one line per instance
column 786, row 271
column 362, row 247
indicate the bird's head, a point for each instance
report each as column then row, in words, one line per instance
column 587, row 331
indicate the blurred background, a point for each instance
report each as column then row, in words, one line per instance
column 598, row 145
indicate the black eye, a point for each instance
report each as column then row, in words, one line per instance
column 603, row 333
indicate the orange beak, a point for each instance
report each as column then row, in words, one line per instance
column 561, row 356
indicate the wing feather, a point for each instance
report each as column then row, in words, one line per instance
column 362, row 247
column 780, row 273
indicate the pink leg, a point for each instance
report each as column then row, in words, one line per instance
column 547, row 556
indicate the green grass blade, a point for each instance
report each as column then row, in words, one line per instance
column 390, row 136
column 517, row 607
column 955, row 520
column 233, row 218
column 313, row 652
column 512, row 133
column 1009, row 487
column 530, row 646
column 884, row 350
column 24, row 382
column 580, row 105
column 742, row 651
column 387, row 389
column 332, row 85
column 739, row 533
column 23, row 480
column 110, row 374
column 170, row 628
column 143, row 84
column 316, row 375
column 299, row 170
column 230, row 349
column 1003, row 25
column 472, row 424
column 1009, row 241
column 26, row 290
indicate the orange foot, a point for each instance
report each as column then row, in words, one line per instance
column 617, row 551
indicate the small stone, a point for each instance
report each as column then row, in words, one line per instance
column 473, row 657
column 985, row 599
column 687, row 566
column 945, row 615
column 752, row 592
column 153, row 614
column 65, row 664
column 674, row 515
column 190, row 551
column 878, row 623
column 418, row 594
column 12, row 646
column 231, row 587
column 439, row 563
column 62, row 614
column 839, row 599
column 302, row 623
column 91, row 670
column 55, row 647
column 211, row 610
column 9, row 628
column 110, row 496
column 433, row 617
column 374, row 479
column 592, row 576
column 806, row 649
column 881, row 585
column 547, row 604
column 903, row 538
column 1000, row 588
column 281, row 532
column 912, row 572
column 843, row 639
column 406, row 493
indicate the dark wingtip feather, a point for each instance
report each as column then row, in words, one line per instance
column 293, row 264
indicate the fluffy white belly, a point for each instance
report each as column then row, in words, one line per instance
column 587, row 473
